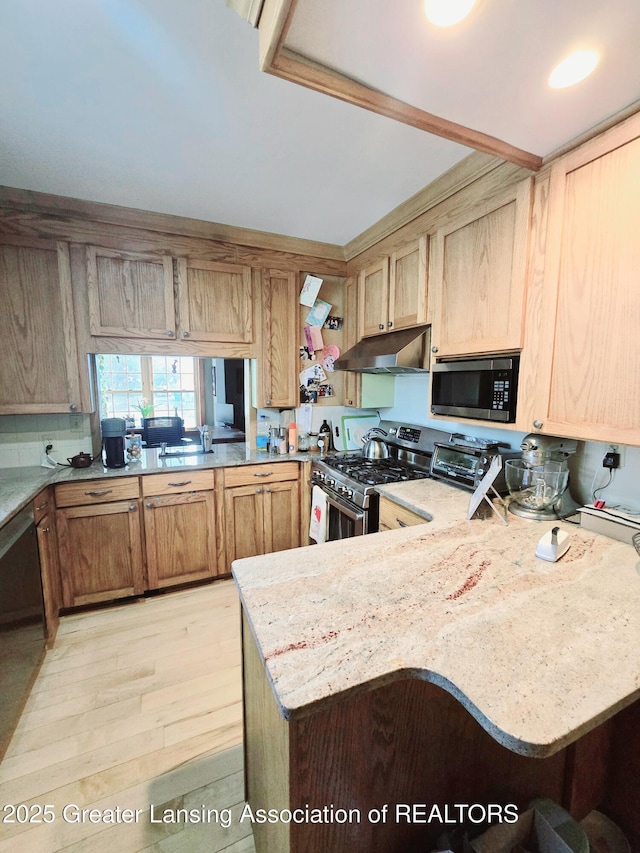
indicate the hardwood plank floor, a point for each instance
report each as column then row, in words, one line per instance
column 137, row 707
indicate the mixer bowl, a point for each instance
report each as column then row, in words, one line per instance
column 536, row 487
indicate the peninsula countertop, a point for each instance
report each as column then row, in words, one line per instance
column 539, row 653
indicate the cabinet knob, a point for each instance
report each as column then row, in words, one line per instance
column 259, row 490
column 434, row 349
column 45, row 529
column 148, row 504
column 133, row 507
column 389, row 324
column 538, row 424
column 381, row 326
column 267, row 402
column 185, row 334
column 170, row 333
column 268, row 491
column 73, row 408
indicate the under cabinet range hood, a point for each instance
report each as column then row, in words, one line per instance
column 405, row 351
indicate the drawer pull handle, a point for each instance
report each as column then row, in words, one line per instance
column 401, row 523
column 45, row 529
column 181, row 483
column 265, row 474
column 99, row 493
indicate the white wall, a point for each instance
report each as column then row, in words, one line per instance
column 22, row 438
column 411, row 407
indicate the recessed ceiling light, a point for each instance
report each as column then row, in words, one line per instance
column 573, row 69
column 446, row 13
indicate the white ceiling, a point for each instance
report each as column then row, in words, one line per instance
column 160, row 105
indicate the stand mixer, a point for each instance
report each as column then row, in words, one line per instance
column 538, row 483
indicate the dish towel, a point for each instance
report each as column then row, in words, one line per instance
column 318, row 523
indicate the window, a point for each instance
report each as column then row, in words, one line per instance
column 136, row 386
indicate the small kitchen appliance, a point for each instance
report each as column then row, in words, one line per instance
column 482, row 388
column 114, row 431
column 539, row 482
column 464, row 460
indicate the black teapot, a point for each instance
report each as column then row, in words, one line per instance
column 80, row 460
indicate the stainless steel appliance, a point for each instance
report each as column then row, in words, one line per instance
column 349, row 480
column 482, row 388
column 539, row 481
column 22, row 639
column 465, row 460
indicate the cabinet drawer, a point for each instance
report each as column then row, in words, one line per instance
column 178, row 481
column 393, row 515
column 249, row 475
column 42, row 504
column 97, row 491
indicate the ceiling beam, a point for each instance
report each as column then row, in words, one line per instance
column 277, row 59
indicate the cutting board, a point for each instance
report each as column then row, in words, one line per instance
column 354, row 429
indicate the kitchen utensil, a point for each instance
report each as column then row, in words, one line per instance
column 354, row 429
column 80, row 460
column 373, row 447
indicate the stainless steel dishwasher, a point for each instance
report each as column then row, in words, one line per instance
column 22, row 638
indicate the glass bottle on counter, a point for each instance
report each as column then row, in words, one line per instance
column 262, row 432
column 324, row 433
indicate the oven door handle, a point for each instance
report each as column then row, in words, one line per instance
column 353, row 513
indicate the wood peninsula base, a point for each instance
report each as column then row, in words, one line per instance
column 407, row 742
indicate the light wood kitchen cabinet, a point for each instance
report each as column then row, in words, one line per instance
column 131, row 295
column 214, row 301
column 393, row 292
column 37, row 329
column 582, row 373
column 44, row 518
column 393, row 515
column 278, row 382
column 262, row 509
column 180, row 528
column 99, row 540
column 478, row 276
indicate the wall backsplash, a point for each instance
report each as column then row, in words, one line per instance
column 411, row 407
column 22, row 438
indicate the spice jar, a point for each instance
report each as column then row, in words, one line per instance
column 303, row 442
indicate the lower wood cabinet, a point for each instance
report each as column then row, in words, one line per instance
column 100, row 550
column 180, row 528
column 394, row 515
column 45, row 521
column 262, row 509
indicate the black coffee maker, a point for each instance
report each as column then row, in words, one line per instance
column 113, row 435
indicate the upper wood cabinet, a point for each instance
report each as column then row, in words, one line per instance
column 478, row 275
column 583, row 372
column 214, row 301
column 40, row 373
column 278, row 368
column 131, row 295
column 393, row 292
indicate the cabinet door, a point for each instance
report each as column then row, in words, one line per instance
column 408, row 286
column 281, row 516
column 100, row 551
column 37, row 329
column 180, row 538
column 278, row 379
column 479, row 276
column 130, row 294
column 50, row 574
column 374, row 299
column 352, row 381
column 214, row 301
column 588, row 317
column 244, row 529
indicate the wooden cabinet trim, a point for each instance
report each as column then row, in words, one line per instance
column 181, row 480
column 92, row 492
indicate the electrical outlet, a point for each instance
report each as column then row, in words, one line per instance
column 46, row 441
column 613, row 457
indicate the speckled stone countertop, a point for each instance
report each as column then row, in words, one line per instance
column 538, row 652
column 18, row 486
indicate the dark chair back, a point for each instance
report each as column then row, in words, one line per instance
column 157, row 431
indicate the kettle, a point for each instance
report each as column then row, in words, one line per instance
column 80, row 460
column 373, row 447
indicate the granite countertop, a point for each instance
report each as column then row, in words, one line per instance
column 539, row 653
column 18, row 486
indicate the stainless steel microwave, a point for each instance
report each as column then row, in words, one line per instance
column 482, row 388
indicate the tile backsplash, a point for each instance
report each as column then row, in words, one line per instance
column 22, row 438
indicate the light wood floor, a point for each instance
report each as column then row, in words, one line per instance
column 135, row 706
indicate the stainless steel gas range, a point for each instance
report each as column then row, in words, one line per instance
column 349, row 480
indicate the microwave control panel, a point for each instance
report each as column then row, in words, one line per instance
column 501, row 390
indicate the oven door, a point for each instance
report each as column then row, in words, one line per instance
column 344, row 519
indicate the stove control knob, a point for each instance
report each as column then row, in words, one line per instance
column 322, row 477
column 348, row 493
column 330, row 481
